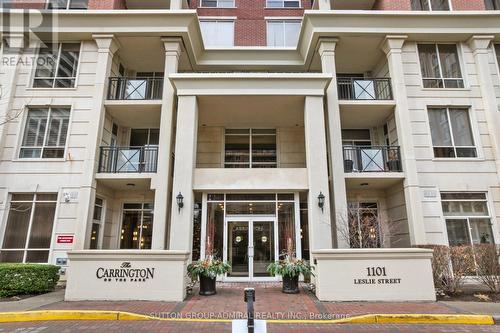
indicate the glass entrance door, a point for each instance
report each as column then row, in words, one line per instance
column 250, row 248
column 237, row 248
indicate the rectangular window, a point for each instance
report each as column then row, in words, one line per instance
column 45, row 133
column 217, row 3
column 283, row 3
column 217, row 33
column 283, row 33
column 364, row 227
column 467, row 218
column 451, row 132
column 440, row 66
column 137, row 226
column 29, row 228
column 67, row 4
column 250, row 148
column 96, row 223
column 430, row 5
column 492, row 4
column 57, row 65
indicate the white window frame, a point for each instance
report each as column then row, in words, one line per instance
column 460, row 62
column 468, row 217
column 217, row 20
column 68, row 5
column 41, row 158
column 142, row 210
column 283, row 21
column 218, row 5
column 30, row 224
column 99, row 222
column 54, row 79
column 283, row 4
column 450, row 127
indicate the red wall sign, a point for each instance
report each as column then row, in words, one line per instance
column 65, row 239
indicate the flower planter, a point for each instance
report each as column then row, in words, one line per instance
column 207, row 286
column 393, row 165
column 348, row 166
column 290, row 285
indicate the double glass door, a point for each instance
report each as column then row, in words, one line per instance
column 250, row 246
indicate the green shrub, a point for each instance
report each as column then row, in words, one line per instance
column 22, row 279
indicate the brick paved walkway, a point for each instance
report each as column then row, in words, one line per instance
column 163, row 327
column 271, row 303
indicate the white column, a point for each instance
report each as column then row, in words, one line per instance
column 320, row 223
column 339, row 212
column 392, row 46
column 107, row 46
column 181, row 220
column 12, row 52
column 480, row 48
column 162, row 181
column 323, row 4
column 176, row 4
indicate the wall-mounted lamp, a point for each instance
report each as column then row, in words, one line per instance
column 321, row 200
column 180, row 201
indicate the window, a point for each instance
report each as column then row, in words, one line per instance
column 283, row 33
column 492, row 4
column 364, row 229
column 440, row 66
column 45, row 133
column 217, row 3
column 144, row 137
column 137, row 226
column 451, row 132
column 467, row 218
column 283, row 3
column 96, row 223
column 250, row 148
column 57, row 66
column 430, row 5
column 29, row 228
column 67, row 4
column 217, row 33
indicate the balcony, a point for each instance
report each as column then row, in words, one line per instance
column 126, row 88
column 364, row 89
column 128, row 159
column 372, row 159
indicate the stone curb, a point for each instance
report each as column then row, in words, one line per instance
column 66, row 315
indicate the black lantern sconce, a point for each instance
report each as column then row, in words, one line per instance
column 180, row 201
column 321, row 201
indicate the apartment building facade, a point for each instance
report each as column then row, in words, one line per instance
column 245, row 129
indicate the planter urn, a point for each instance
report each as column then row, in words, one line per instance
column 207, row 286
column 290, row 285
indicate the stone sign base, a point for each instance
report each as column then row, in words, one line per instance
column 127, row 275
column 374, row 275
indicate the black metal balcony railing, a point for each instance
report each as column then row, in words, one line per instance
column 128, row 159
column 126, row 88
column 372, row 159
column 351, row 88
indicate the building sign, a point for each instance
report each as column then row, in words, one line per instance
column 65, row 239
column 125, row 273
column 377, row 275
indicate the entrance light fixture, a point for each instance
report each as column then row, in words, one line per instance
column 321, row 201
column 180, row 201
